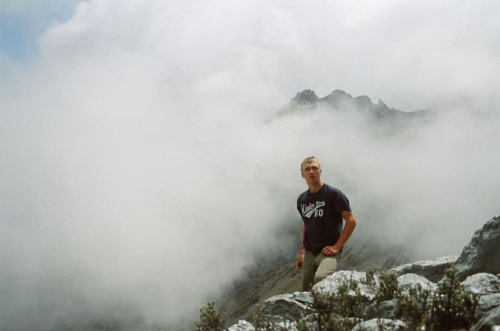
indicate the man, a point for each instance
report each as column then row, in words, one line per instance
column 323, row 209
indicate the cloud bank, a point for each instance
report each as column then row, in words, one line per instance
column 140, row 172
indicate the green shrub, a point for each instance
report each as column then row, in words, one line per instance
column 452, row 307
column 340, row 311
column 448, row 308
column 369, row 279
column 210, row 320
column 388, row 287
column 413, row 306
column 260, row 321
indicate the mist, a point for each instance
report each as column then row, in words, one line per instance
column 143, row 169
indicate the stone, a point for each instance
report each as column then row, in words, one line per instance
column 242, row 325
column 407, row 280
column 385, row 309
column 304, row 297
column 482, row 254
column 329, row 286
column 482, row 283
column 433, row 270
column 379, row 324
column 486, row 303
column 489, row 320
column 282, row 307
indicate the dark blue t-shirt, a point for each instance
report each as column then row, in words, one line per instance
column 322, row 216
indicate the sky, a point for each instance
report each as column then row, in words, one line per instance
column 22, row 22
column 142, row 172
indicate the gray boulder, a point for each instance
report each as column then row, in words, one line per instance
column 408, row 280
column 486, row 303
column 489, row 320
column 242, row 326
column 377, row 324
column 482, row 254
column 283, row 307
column 482, row 283
column 330, row 285
column 433, row 270
column 385, row 309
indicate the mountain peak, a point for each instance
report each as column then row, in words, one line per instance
column 340, row 102
column 305, row 97
column 380, row 103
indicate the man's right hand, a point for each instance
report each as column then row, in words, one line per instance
column 300, row 260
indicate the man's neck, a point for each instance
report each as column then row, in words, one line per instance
column 315, row 187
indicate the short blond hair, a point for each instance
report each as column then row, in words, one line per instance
column 309, row 160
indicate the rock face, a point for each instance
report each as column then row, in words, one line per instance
column 475, row 276
column 379, row 118
column 307, row 100
column 482, row 254
column 433, row 270
column 305, row 97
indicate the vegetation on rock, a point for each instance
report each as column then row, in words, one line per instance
column 448, row 307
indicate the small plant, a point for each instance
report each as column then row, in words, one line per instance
column 339, row 311
column 413, row 307
column 260, row 321
column 369, row 279
column 347, row 303
column 388, row 288
column 315, row 320
column 452, row 307
column 449, row 308
column 210, row 320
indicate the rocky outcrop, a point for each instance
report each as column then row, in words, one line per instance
column 490, row 321
column 338, row 99
column 476, row 279
column 305, row 97
column 379, row 118
column 308, row 100
column 482, row 253
column 433, row 270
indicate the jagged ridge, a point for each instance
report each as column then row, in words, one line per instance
column 339, row 100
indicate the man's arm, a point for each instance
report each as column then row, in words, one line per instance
column 302, row 249
column 350, row 224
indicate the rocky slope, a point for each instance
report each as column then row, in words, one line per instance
column 477, row 270
column 280, row 276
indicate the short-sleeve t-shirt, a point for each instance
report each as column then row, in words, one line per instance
column 322, row 215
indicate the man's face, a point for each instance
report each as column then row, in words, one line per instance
column 311, row 172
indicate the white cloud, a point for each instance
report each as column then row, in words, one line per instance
column 138, row 170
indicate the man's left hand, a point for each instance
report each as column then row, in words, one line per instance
column 330, row 250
